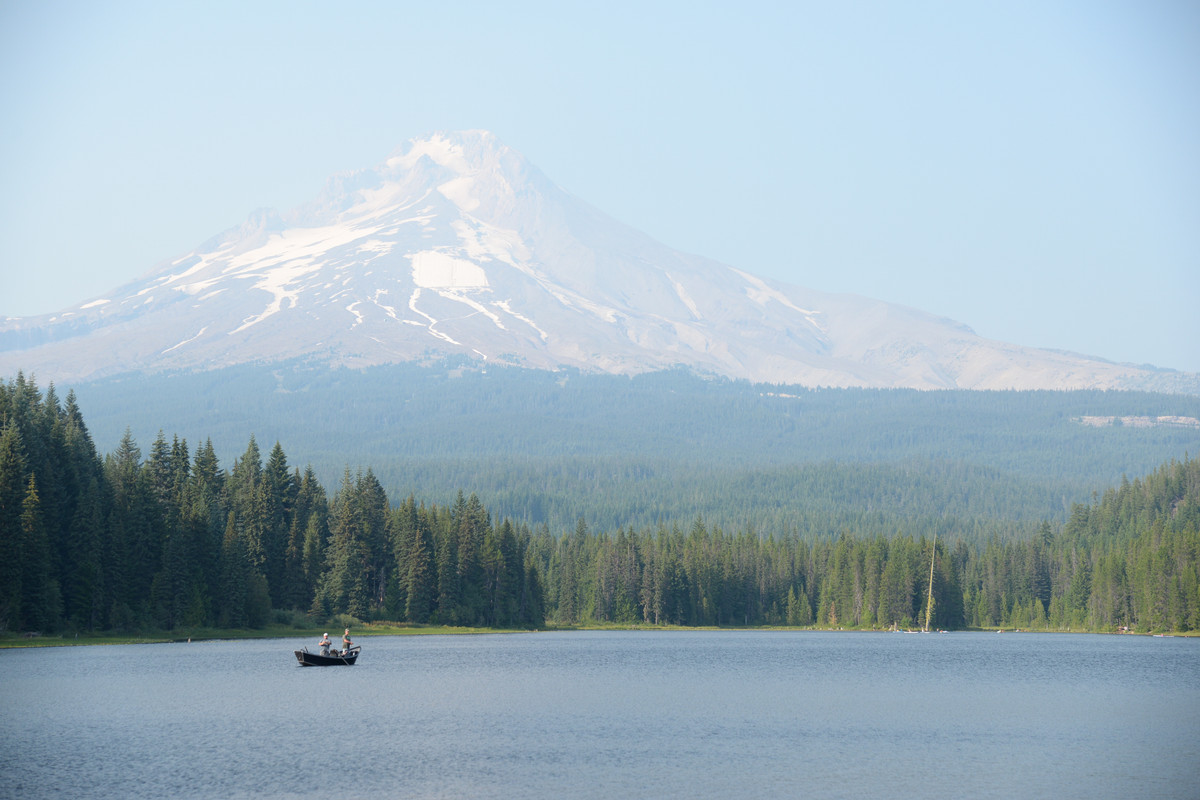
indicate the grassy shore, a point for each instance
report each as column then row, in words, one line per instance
column 363, row 630
column 359, row 630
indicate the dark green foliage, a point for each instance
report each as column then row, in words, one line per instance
column 1128, row 561
column 345, row 585
column 416, row 567
column 40, row 600
column 13, row 472
column 173, row 540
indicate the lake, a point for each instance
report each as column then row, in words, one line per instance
column 704, row 714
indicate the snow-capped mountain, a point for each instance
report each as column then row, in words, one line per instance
column 457, row 245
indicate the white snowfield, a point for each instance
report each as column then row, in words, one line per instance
column 436, row 270
column 457, row 245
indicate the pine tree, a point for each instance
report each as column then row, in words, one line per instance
column 1079, row 590
column 236, row 571
column 402, row 529
column 80, row 539
column 799, row 612
column 294, row 588
column 470, row 521
column 446, row 558
column 278, row 494
column 40, row 599
column 84, row 587
column 248, row 503
column 13, row 486
column 371, row 506
column 420, row 588
column 896, row 588
column 134, row 540
column 533, row 598
column 345, row 585
column 312, row 512
column 510, row 575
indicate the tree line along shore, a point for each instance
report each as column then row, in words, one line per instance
column 128, row 544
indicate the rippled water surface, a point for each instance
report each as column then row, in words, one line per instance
column 610, row 714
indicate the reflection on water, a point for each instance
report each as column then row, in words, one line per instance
column 610, row 714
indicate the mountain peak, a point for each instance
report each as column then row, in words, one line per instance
column 461, row 151
column 457, row 245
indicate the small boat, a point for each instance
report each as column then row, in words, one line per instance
column 333, row 659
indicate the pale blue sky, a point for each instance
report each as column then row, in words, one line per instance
column 1031, row 169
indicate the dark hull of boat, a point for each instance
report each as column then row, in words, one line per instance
column 308, row 659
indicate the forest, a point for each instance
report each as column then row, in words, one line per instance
column 171, row 541
column 551, row 447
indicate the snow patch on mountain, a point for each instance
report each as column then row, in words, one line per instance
column 484, row 242
column 762, row 294
column 458, row 191
column 186, row 341
column 438, row 148
column 431, row 327
column 435, row 270
column 504, row 306
column 684, row 297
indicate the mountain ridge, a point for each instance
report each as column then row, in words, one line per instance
column 457, row 245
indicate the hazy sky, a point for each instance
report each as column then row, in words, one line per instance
column 1031, row 169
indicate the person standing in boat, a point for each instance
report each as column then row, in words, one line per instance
column 324, row 644
column 346, row 643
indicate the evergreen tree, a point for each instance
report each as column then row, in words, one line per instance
column 278, row 495
column 371, row 506
column 85, row 595
column 345, row 584
column 533, row 598
column 249, row 504
column 446, row 558
column 13, row 485
column 420, row 586
column 800, row 613
column 896, row 587
column 134, row 535
column 312, row 513
column 40, row 601
column 470, row 520
column 236, row 572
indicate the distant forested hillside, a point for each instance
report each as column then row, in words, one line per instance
column 174, row 541
column 1125, row 562
column 543, row 447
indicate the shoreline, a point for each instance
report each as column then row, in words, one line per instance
column 366, row 630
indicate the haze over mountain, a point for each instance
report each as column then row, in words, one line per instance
column 456, row 245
